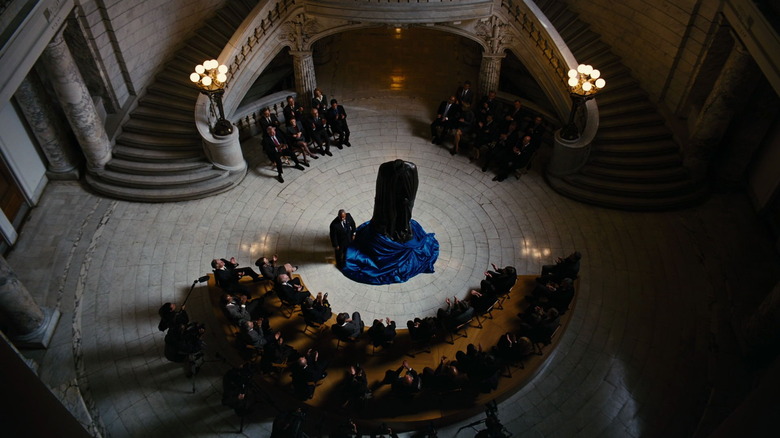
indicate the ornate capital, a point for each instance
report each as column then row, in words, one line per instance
column 495, row 33
column 298, row 31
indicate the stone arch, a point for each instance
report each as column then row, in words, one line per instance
column 515, row 26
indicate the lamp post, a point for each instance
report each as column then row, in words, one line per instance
column 584, row 83
column 210, row 77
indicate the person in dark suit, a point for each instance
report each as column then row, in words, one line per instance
column 227, row 275
column 319, row 101
column 291, row 290
column 275, row 146
column 446, row 119
column 342, row 232
column 346, row 327
column 337, row 118
column 465, row 94
column 267, row 119
column 296, row 139
column 382, row 334
column 292, row 110
column 317, row 131
column 308, row 370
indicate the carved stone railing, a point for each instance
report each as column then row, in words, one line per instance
column 401, row 11
column 568, row 155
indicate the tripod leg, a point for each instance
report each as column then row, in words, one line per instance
column 241, row 427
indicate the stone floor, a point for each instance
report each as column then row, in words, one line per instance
column 657, row 289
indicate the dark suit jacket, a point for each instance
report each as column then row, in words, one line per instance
column 270, row 148
column 264, row 124
column 465, row 98
column 452, row 114
column 341, row 236
column 321, row 105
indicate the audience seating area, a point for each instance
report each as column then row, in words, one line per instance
column 330, row 406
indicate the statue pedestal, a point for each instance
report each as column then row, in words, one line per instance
column 374, row 258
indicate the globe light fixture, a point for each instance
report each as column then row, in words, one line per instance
column 210, row 78
column 584, row 82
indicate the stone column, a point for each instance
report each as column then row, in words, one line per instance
column 305, row 78
column 738, row 74
column 75, row 100
column 31, row 325
column 48, row 130
column 489, row 72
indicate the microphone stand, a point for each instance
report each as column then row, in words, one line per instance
column 203, row 279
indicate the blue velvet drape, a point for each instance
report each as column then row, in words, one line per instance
column 376, row 259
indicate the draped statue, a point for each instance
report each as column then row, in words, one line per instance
column 392, row 247
column 396, row 188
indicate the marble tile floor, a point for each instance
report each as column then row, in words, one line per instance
column 635, row 361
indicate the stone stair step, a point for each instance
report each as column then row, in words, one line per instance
column 657, row 189
column 168, row 104
column 666, row 174
column 632, row 118
column 167, row 194
column 176, row 77
column 182, row 92
column 687, row 198
column 152, row 113
column 636, row 147
column 157, row 168
column 161, row 180
column 616, row 108
column 156, row 141
column 626, row 161
column 609, row 97
column 580, row 36
column 631, row 133
column 130, row 153
column 591, row 53
column 161, row 128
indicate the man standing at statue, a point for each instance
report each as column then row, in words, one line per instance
column 342, row 231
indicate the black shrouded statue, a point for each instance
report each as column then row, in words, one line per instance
column 392, row 247
column 396, row 188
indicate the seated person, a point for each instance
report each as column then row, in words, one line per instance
column 317, row 131
column 455, row 314
column 421, row 329
column 307, row 371
column 381, row 334
column 252, row 334
column 296, row 139
column 348, row 328
column 446, row 119
column 292, row 110
column 290, row 290
column 462, row 128
column 445, row 377
column 408, row 384
column 337, row 118
column 317, row 310
column 277, row 352
column 511, row 349
column 238, row 309
column 502, row 279
column 227, row 275
column 552, row 294
column 275, row 147
column 270, row 271
column 483, row 299
column 568, row 267
column 481, row 367
column 356, row 384
column 267, row 119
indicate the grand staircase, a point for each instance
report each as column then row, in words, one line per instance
column 634, row 162
column 159, row 155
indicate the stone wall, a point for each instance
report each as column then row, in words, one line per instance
column 134, row 38
column 661, row 41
